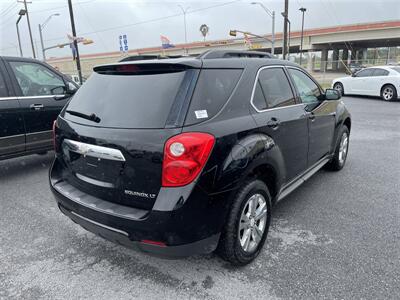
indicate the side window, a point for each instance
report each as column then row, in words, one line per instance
column 37, row 80
column 213, row 89
column 275, row 87
column 307, row 88
column 258, row 98
column 380, row 72
column 365, row 73
column 3, row 88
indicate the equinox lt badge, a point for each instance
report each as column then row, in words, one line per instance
column 138, row 194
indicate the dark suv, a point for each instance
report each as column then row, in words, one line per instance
column 187, row 156
column 32, row 94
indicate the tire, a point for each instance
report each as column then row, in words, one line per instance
column 239, row 224
column 339, row 87
column 388, row 92
column 338, row 161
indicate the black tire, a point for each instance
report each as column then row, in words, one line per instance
column 339, row 87
column 388, row 93
column 336, row 163
column 229, row 247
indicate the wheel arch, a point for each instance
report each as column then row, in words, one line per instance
column 347, row 122
column 267, row 174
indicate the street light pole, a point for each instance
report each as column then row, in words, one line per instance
column 29, row 28
column 303, row 10
column 272, row 15
column 78, row 61
column 41, row 26
column 285, row 28
column 184, row 10
column 21, row 13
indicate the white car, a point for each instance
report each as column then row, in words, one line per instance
column 382, row 81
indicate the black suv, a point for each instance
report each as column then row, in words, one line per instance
column 32, row 94
column 187, row 156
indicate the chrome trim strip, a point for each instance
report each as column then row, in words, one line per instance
column 30, row 97
column 38, row 97
column 94, row 181
column 11, row 136
column 94, row 150
column 99, row 224
column 39, row 132
column 254, row 89
column 8, row 98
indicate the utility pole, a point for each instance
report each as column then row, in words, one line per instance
column 29, row 27
column 184, row 11
column 78, row 62
column 303, row 10
column 285, row 29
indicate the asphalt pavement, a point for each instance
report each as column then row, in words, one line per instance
column 337, row 236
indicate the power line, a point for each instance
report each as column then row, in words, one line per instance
column 8, row 9
column 143, row 22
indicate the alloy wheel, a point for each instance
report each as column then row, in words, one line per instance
column 339, row 88
column 387, row 93
column 253, row 222
column 343, row 147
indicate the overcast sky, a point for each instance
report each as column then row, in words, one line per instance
column 144, row 21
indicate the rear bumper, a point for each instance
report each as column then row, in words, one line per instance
column 177, row 230
column 116, row 236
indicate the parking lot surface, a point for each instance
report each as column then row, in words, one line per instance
column 337, row 236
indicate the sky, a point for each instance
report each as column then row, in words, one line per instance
column 143, row 21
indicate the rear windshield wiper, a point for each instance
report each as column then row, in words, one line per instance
column 91, row 117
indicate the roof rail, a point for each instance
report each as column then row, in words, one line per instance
column 211, row 54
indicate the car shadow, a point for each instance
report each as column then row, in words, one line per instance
column 24, row 166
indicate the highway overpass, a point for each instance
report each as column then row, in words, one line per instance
column 341, row 43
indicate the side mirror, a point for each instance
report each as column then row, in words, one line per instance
column 332, row 94
column 71, row 88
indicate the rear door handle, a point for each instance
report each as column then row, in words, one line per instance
column 36, row 106
column 311, row 116
column 273, row 123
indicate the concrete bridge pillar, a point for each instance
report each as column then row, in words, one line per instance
column 310, row 61
column 335, row 59
column 345, row 57
column 353, row 55
column 364, row 55
column 324, row 60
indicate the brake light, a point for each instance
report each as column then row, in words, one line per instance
column 54, row 135
column 184, row 157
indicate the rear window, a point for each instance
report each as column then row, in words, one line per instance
column 397, row 69
column 127, row 101
column 213, row 89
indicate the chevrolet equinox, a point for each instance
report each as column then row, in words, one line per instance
column 186, row 156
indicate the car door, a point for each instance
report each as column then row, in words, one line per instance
column 12, row 131
column 279, row 116
column 376, row 81
column 321, row 115
column 41, row 93
column 360, row 82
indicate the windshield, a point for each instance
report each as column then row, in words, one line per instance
column 128, row 101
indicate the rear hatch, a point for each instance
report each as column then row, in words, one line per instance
column 112, row 133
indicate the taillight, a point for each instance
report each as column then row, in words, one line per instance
column 185, row 156
column 54, row 135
